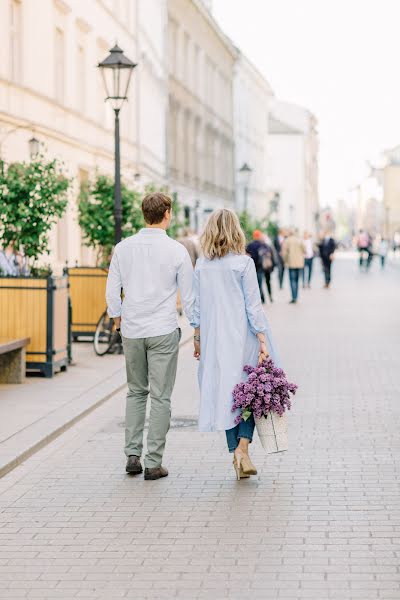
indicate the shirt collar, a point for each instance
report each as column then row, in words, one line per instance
column 153, row 231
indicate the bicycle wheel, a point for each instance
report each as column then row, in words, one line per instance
column 105, row 335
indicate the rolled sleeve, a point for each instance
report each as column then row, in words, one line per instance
column 113, row 288
column 185, row 285
column 195, row 322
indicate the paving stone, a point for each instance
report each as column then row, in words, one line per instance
column 319, row 522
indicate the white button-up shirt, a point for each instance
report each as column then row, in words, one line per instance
column 149, row 267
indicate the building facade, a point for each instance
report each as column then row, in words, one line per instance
column 252, row 97
column 50, row 87
column 293, row 165
column 390, row 178
column 200, row 111
column 197, row 110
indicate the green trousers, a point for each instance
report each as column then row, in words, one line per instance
column 150, row 368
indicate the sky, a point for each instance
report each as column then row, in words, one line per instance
column 338, row 58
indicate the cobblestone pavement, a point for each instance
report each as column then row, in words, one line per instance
column 319, row 522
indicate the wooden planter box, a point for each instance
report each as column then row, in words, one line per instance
column 88, row 299
column 37, row 308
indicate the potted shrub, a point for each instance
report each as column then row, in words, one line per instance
column 96, row 219
column 33, row 303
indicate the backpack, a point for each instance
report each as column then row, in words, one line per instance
column 265, row 259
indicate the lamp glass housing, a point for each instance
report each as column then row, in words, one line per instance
column 245, row 174
column 34, row 147
column 116, row 71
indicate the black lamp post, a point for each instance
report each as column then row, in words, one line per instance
column 245, row 174
column 116, row 70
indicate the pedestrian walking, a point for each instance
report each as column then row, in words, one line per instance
column 278, row 241
column 149, row 267
column 293, row 253
column 327, row 247
column 264, row 262
column 383, row 251
column 189, row 240
column 364, row 246
column 12, row 262
column 268, row 262
column 308, row 259
column 231, row 330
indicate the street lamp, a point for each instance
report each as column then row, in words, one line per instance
column 34, row 147
column 245, row 174
column 274, row 204
column 116, row 71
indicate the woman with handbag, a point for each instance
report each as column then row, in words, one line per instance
column 231, row 330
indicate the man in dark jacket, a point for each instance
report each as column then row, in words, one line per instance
column 278, row 241
column 263, row 257
column 327, row 247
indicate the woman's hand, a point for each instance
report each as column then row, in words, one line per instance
column 263, row 351
column 196, row 342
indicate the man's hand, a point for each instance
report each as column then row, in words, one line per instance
column 117, row 322
column 332, row 256
column 196, row 352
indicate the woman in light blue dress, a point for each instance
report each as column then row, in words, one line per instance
column 231, row 331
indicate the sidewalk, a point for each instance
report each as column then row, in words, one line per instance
column 34, row 413
column 320, row 522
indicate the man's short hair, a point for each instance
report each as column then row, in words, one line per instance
column 154, row 207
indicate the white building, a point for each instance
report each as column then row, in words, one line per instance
column 49, row 85
column 252, row 97
column 200, row 114
column 293, row 165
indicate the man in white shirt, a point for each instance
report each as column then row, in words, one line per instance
column 149, row 267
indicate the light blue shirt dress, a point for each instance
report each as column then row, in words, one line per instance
column 229, row 312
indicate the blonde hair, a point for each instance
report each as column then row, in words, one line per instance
column 222, row 235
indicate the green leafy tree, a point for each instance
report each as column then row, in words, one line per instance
column 272, row 229
column 249, row 224
column 177, row 222
column 33, row 196
column 96, row 214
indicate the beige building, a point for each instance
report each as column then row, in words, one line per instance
column 200, row 116
column 50, row 86
column 293, row 165
column 390, row 178
column 252, row 97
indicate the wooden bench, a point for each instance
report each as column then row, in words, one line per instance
column 12, row 359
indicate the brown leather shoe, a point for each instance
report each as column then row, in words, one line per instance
column 133, row 465
column 155, row 473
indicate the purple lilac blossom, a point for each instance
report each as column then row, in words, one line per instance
column 266, row 389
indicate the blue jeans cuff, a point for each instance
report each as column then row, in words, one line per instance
column 246, row 437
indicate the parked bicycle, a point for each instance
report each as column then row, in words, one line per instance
column 107, row 339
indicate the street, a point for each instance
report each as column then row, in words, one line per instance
column 321, row 521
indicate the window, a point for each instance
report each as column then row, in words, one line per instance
column 196, row 69
column 186, row 60
column 172, row 41
column 15, row 40
column 80, row 79
column 59, row 65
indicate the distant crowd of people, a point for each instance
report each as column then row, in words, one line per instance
column 369, row 247
column 288, row 251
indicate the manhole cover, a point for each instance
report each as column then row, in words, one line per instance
column 178, row 423
column 183, row 422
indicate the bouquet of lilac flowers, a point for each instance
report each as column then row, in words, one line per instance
column 266, row 395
